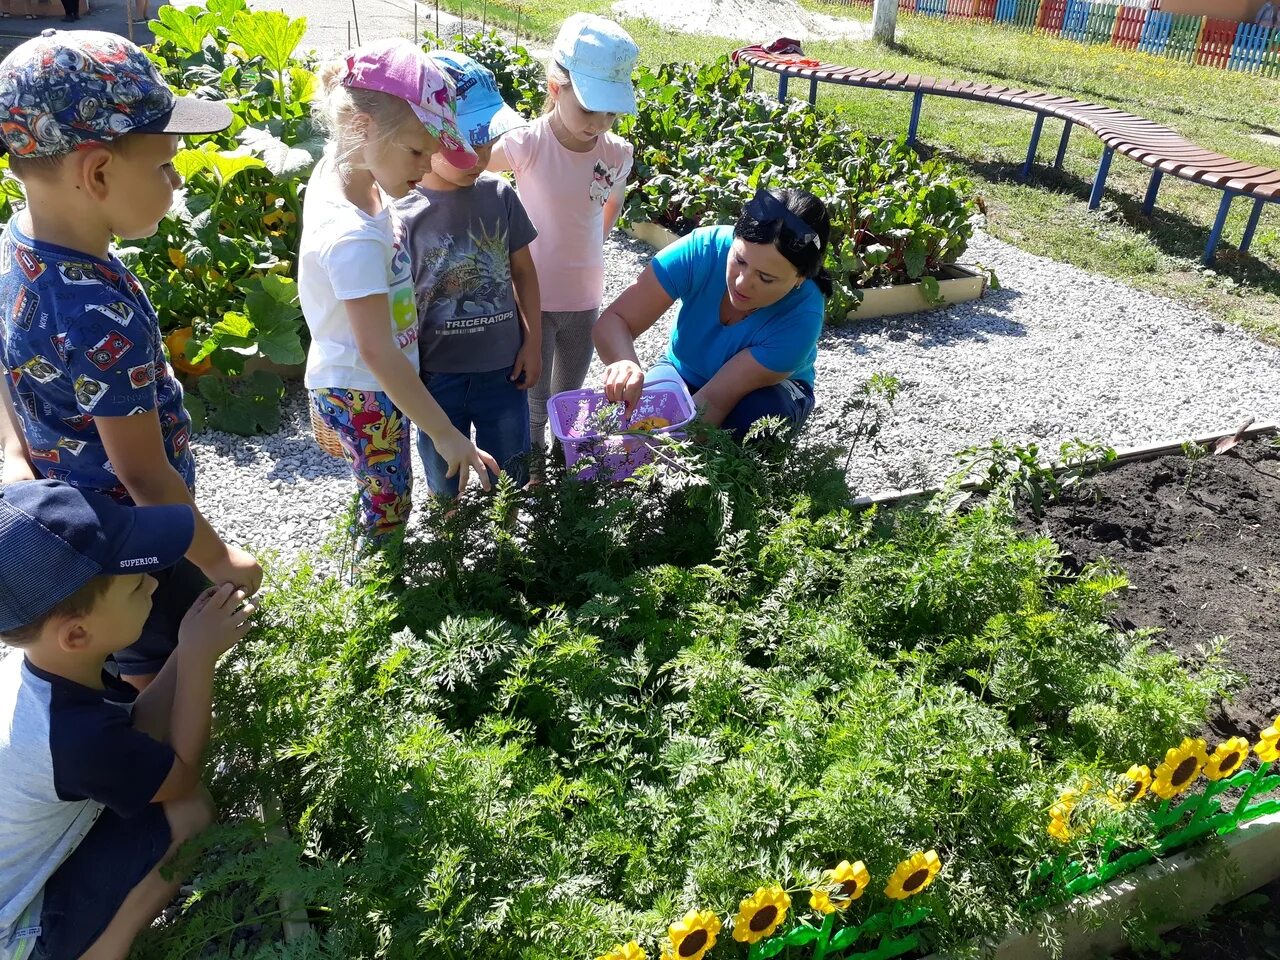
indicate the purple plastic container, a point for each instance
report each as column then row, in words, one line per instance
column 580, row 419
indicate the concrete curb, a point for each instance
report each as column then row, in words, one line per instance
column 1158, row 897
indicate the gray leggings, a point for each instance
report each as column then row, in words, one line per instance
column 566, row 356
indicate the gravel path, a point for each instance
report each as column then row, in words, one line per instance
column 1058, row 353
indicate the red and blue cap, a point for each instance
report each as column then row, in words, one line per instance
column 67, row 90
column 55, row 538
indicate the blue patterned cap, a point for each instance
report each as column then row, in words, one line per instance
column 66, row 90
column 483, row 116
column 55, row 538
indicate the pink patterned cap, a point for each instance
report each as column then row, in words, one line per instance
column 399, row 68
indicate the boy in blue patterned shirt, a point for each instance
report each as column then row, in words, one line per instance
column 91, row 130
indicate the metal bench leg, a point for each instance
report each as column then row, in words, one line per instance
column 1153, row 189
column 751, row 78
column 1031, row 149
column 813, row 92
column 1210, row 248
column 916, row 103
column 1062, row 145
column 1247, row 239
column 782, row 86
column 1100, row 181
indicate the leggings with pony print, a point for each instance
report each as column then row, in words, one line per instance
column 375, row 437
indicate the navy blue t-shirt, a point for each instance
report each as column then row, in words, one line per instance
column 80, row 340
column 66, row 752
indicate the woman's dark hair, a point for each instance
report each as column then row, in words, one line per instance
column 796, row 245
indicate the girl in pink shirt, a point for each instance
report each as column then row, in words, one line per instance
column 571, row 173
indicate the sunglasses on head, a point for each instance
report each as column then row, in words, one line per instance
column 764, row 207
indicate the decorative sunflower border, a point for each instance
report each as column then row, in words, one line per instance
column 762, row 916
column 1179, row 816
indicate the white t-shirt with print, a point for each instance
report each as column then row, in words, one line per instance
column 346, row 254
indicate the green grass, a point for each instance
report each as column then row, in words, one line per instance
column 1217, row 109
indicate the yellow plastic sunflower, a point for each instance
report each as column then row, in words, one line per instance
column 912, row 875
column 850, row 882
column 1180, row 768
column 1227, row 758
column 1268, row 746
column 1059, row 830
column 693, row 936
column 624, row 951
column 1131, row 787
column 760, row 914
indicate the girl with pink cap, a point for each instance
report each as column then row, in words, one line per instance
column 388, row 108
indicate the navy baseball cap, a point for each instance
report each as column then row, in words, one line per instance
column 55, row 538
column 69, row 89
column 483, row 116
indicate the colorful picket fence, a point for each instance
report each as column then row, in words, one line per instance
column 1208, row 41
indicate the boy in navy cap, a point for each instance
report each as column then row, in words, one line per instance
column 91, row 130
column 99, row 784
column 479, row 310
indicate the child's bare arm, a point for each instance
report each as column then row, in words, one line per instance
column 613, row 207
column 17, row 464
column 214, row 624
column 498, row 159
column 135, row 447
column 524, row 280
column 371, row 323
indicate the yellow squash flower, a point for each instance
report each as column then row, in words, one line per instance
column 1268, row 746
column 913, row 875
column 760, row 914
column 693, row 936
column 177, row 258
column 624, row 951
column 1131, row 787
column 1180, row 768
column 850, row 882
column 1227, row 758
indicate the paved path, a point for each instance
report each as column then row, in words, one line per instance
column 106, row 15
column 333, row 25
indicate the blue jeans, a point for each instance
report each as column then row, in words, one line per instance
column 791, row 399
column 498, row 410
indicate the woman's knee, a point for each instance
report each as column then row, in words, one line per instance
column 788, row 400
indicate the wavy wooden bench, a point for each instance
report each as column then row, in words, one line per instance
column 1156, row 146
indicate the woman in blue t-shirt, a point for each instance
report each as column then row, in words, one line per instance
column 751, row 308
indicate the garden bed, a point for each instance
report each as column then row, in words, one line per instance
column 954, row 283
column 1199, row 539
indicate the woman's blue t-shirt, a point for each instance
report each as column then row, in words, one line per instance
column 782, row 337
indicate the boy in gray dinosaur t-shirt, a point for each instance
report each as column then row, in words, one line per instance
column 479, row 314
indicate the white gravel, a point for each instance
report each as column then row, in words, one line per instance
column 1058, row 353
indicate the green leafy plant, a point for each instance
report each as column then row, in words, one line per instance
column 1019, row 472
column 573, row 713
column 895, row 218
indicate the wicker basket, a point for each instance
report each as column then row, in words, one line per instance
column 326, row 437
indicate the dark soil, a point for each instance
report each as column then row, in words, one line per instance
column 1245, row 929
column 1200, row 542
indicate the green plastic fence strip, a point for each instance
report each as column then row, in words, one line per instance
column 1028, row 13
column 1184, row 38
column 1102, row 22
